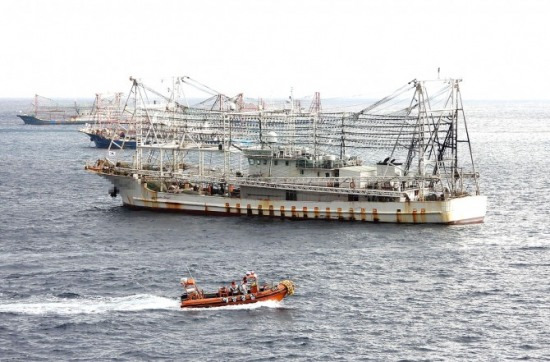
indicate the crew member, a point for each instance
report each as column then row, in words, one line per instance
column 253, row 282
column 182, row 283
column 190, row 288
column 233, row 288
column 243, row 287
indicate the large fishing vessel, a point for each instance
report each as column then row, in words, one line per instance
column 305, row 164
column 110, row 125
column 48, row 112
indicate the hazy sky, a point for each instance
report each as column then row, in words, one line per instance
column 71, row 48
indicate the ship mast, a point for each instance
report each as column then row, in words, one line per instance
column 421, row 132
column 436, row 139
column 315, row 109
column 460, row 108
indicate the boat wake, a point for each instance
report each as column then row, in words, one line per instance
column 97, row 305
column 257, row 305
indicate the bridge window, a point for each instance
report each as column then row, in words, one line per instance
column 291, row 196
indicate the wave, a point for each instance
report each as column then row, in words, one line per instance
column 94, row 305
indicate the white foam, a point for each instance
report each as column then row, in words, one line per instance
column 251, row 306
column 97, row 305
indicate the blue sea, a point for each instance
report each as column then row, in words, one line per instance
column 83, row 278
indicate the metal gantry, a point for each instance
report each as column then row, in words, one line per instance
column 414, row 125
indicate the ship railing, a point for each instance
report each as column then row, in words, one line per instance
column 463, row 175
column 370, row 182
column 394, row 187
column 358, row 181
column 397, row 186
column 331, row 189
column 168, row 175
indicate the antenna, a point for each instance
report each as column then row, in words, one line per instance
column 189, row 271
column 315, row 106
column 292, row 99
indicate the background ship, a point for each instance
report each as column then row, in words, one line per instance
column 49, row 112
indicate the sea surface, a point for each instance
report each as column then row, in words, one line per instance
column 83, row 278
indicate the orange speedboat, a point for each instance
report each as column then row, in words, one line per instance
column 249, row 292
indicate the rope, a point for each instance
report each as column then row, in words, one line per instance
column 289, row 285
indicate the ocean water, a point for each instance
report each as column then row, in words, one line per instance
column 83, row 278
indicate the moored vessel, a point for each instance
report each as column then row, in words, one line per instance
column 103, row 138
column 47, row 112
column 302, row 164
column 110, row 126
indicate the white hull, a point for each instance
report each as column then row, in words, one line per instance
column 464, row 210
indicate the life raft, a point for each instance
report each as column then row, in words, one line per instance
column 223, row 297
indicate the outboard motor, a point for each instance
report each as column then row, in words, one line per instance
column 114, row 191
